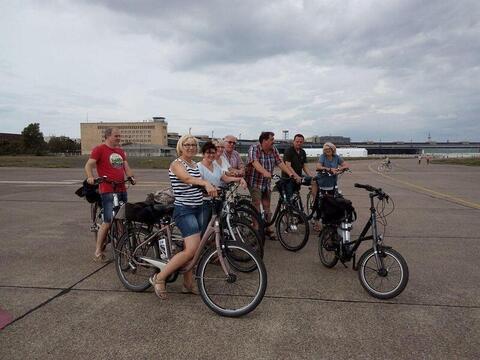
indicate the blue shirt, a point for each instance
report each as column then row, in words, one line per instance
column 324, row 181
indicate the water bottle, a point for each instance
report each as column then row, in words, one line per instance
column 163, row 250
column 344, row 231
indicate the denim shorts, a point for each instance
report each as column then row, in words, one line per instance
column 191, row 220
column 107, row 203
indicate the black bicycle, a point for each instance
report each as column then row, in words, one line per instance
column 291, row 224
column 382, row 271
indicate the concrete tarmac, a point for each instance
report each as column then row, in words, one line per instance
column 64, row 305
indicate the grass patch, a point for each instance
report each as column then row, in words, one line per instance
column 464, row 161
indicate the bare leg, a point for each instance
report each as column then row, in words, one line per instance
column 102, row 234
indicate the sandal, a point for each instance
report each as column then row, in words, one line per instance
column 190, row 289
column 159, row 287
column 100, row 258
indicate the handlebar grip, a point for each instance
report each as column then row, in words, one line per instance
column 365, row 186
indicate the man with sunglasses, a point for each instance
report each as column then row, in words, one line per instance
column 237, row 168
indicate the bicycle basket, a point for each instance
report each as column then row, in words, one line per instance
column 164, row 196
column 337, row 209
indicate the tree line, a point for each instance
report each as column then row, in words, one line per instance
column 32, row 142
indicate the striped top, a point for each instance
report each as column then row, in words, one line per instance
column 185, row 194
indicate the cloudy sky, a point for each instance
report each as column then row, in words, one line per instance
column 371, row 70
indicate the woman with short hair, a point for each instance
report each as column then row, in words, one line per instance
column 189, row 214
column 332, row 163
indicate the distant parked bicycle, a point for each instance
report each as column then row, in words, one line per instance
column 230, row 275
column 382, row 271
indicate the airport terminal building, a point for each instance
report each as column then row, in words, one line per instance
column 144, row 134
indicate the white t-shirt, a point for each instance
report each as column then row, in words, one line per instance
column 213, row 177
column 225, row 164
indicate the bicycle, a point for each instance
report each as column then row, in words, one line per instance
column 291, row 224
column 96, row 213
column 385, row 166
column 313, row 204
column 231, row 277
column 382, row 271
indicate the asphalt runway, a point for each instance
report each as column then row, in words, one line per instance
column 63, row 305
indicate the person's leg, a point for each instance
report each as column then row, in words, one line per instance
column 107, row 204
column 265, row 199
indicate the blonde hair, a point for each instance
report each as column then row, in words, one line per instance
column 329, row 145
column 183, row 139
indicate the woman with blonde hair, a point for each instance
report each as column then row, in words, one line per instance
column 332, row 163
column 189, row 215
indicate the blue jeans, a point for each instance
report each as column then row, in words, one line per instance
column 107, row 204
column 191, row 220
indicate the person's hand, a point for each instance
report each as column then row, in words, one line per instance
column 243, row 183
column 267, row 175
column 132, row 180
column 211, row 190
column 297, row 178
column 91, row 180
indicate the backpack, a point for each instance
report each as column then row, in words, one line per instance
column 336, row 209
column 89, row 192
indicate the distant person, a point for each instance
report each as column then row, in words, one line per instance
column 110, row 161
column 428, row 159
column 419, row 159
column 296, row 159
column 262, row 159
column 237, row 167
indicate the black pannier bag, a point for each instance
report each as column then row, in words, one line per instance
column 89, row 192
column 145, row 212
column 337, row 209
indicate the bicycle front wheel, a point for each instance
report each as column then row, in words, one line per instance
column 383, row 282
column 309, row 209
column 131, row 270
column 236, row 293
column 326, row 251
column 292, row 229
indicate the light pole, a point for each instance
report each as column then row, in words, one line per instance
column 190, row 131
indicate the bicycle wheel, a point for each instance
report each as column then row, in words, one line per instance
column 388, row 167
column 327, row 254
column 250, row 214
column 131, row 270
column 381, row 167
column 114, row 235
column 383, row 283
column 292, row 229
column 244, row 233
column 95, row 217
column 237, row 293
column 309, row 204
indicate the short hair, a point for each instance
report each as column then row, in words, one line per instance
column 330, row 145
column 109, row 131
column 207, row 146
column 299, row 135
column 219, row 142
column 229, row 136
column 183, row 139
column 265, row 135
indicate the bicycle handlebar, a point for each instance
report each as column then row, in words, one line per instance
column 377, row 191
column 103, row 179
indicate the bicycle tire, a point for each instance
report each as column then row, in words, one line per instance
column 234, row 295
column 95, row 219
column 368, row 270
column 249, row 212
column 135, row 278
column 381, row 168
column 309, row 210
column 245, row 233
column 328, row 256
column 293, row 229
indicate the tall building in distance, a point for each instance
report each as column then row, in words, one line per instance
column 151, row 132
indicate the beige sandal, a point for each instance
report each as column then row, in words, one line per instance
column 190, row 289
column 159, row 286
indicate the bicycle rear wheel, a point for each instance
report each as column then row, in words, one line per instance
column 237, row 293
column 309, row 209
column 326, row 252
column 386, row 282
column 292, row 229
column 96, row 219
column 245, row 210
column 244, row 233
column 381, row 167
column 133, row 272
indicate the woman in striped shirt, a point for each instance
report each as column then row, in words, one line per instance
column 189, row 214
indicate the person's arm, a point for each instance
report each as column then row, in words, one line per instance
column 89, row 166
column 229, row 179
column 256, row 164
column 128, row 171
column 181, row 173
column 306, row 170
column 288, row 170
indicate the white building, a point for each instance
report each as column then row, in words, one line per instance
column 343, row 152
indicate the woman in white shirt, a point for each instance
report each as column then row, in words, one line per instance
column 220, row 159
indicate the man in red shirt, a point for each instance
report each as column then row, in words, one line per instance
column 110, row 161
